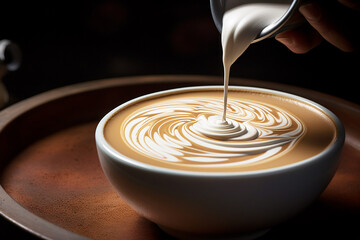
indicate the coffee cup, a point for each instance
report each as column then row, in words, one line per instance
column 192, row 193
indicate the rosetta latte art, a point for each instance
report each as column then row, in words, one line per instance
column 193, row 132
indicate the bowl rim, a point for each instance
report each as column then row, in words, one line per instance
column 105, row 147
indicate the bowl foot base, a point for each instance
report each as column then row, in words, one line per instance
column 237, row 236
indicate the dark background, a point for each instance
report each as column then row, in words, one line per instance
column 65, row 42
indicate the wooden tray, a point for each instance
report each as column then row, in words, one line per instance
column 52, row 184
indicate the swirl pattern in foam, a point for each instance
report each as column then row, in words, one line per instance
column 187, row 131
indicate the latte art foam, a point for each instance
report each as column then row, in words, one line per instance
column 215, row 127
column 192, row 132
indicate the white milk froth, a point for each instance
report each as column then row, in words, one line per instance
column 184, row 130
column 191, row 131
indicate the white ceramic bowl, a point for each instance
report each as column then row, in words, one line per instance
column 197, row 205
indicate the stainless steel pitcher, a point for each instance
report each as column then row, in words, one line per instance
column 218, row 8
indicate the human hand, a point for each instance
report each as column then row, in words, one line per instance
column 336, row 22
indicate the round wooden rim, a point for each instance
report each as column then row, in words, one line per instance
column 20, row 216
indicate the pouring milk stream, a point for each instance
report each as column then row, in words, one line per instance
column 245, row 22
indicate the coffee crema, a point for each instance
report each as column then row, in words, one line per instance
column 186, row 131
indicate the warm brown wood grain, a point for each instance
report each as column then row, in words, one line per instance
column 50, row 167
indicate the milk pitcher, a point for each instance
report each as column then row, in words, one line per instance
column 219, row 7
